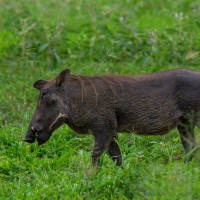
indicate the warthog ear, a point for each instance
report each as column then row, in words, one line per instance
column 63, row 77
column 38, row 84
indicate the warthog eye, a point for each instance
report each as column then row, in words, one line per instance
column 44, row 94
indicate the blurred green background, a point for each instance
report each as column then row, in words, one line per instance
column 38, row 39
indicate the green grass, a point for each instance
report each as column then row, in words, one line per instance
column 37, row 40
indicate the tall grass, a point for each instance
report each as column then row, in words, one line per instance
column 37, row 40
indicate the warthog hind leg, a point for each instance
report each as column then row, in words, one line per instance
column 186, row 131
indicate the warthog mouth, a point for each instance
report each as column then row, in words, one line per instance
column 35, row 132
column 41, row 136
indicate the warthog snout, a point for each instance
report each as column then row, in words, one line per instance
column 37, row 133
column 30, row 138
column 33, row 133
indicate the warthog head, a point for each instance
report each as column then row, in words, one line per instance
column 51, row 110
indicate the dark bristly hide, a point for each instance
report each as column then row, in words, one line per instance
column 150, row 104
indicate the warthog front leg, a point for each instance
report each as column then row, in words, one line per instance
column 114, row 151
column 101, row 144
column 186, row 131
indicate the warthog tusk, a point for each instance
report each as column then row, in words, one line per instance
column 32, row 128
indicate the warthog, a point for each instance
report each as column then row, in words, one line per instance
column 150, row 104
